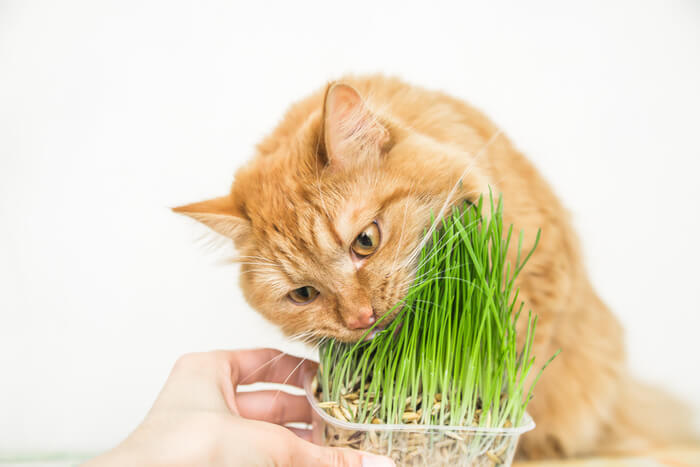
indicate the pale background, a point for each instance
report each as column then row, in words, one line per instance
column 111, row 112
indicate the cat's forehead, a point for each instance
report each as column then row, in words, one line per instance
column 306, row 246
column 309, row 227
column 312, row 219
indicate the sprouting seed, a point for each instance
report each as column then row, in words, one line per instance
column 328, row 404
column 494, row 458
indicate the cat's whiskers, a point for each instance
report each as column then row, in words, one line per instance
column 306, row 337
column 265, row 273
column 409, row 257
column 291, row 373
column 418, row 279
column 403, row 226
column 427, row 302
column 452, row 192
column 270, row 361
column 420, row 245
column 435, row 251
column 241, row 258
column 261, row 265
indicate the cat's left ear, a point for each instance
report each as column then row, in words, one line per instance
column 221, row 215
column 350, row 129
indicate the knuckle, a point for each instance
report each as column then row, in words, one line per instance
column 285, row 451
column 187, row 359
column 278, row 413
column 198, row 361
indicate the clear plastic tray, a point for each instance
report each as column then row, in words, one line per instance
column 418, row 445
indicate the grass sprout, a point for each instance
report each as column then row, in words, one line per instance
column 450, row 356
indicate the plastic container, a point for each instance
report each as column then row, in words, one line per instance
column 418, row 445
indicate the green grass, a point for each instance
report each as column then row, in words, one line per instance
column 450, row 357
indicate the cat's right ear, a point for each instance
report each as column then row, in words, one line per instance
column 350, row 129
column 221, row 215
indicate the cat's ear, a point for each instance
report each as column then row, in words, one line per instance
column 221, row 215
column 350, row 129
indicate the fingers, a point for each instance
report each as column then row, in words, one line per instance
column 268, row 365
column 301, row 433
column 273, row 406
column 280, row 446
column 310, row 454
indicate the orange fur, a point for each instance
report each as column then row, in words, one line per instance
column 338, row 162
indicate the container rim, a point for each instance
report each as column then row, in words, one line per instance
column 527, row 422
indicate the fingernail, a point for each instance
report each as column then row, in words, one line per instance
column 368, row 460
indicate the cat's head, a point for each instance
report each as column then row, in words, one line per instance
column 329, row 215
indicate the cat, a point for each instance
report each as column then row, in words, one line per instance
column 328, row 219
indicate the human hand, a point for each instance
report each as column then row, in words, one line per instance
column 200, row 419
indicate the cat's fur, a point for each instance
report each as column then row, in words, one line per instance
column 374, row 148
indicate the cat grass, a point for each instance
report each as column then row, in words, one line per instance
column 451, row 356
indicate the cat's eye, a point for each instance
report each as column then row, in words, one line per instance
column 303, row 295
column 367, row 242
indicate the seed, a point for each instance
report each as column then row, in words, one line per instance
column 502, row 450
column 372, row 437
column 493, row 457
column 346, row 413
column 410, row 417
column 411, row 454
column 416, row 441
column 438, row 397
column 409, row 399
column 443, row 443
column 338, row 414
column 353, row 409
column 351, row 397
column 328, row 404
column 376, row 421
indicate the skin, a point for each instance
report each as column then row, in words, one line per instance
column 200, row 418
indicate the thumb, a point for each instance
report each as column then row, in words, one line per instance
column 310, row 454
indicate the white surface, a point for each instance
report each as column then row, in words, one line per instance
column 110, row 112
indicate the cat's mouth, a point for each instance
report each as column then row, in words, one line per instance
column 379, row 328
column 383, row 322
column 373, row 333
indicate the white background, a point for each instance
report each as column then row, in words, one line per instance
column 111, row 112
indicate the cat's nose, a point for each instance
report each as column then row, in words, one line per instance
column 362, row 319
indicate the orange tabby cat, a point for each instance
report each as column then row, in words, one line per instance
column 328, row 219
